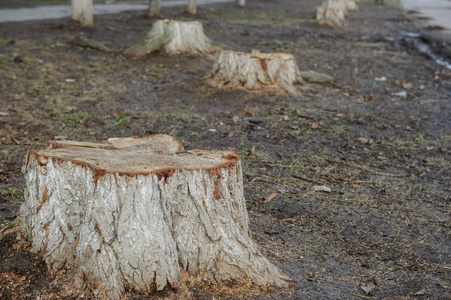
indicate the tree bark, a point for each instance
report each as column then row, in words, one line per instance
column 241, row 3
column 136, row 212
column 154, row 7
column 255, row 71
column 192, row 7
column 82, row 12
column 173, row 37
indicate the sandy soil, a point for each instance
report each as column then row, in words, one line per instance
column 384, row 226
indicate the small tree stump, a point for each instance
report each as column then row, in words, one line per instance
column 134, row 212
column 255, row 70
column 82, row 12
column 241, row 3
column 154, row 8
column 333, row 12
column 192, row 7
column 173, row 37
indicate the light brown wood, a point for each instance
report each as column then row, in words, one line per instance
column 333, row 12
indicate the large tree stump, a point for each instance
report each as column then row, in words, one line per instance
column 173, row 37
column 255, row 70
column 134, row 212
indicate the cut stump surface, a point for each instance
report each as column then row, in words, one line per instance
column 135, row 212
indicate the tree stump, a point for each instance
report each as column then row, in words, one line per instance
column 173, row 37
column 192, row 7
column 333, row 12
column 154, row 8
column 241, row 3
column 255, row 71
column 135, row 212
column 82, row 12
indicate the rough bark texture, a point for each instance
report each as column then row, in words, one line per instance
column 82, row 12
column 255, row 70
column 135, row 212
column 241, row 3
column 173, row 37
column 333, row 12
column 192, row 7
column 154, row 7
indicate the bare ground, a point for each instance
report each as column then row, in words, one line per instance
column 385, row 225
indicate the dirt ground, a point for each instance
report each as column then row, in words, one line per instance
column 384, row 227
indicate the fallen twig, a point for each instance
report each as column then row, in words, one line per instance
column 88, row 43
column 306, row 179
column 360, row 296
column 397, row 235
column 376, row 172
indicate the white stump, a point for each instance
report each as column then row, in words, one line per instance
column 82, row 12
column 255, row 70
column 173, row 37
column 154, row 7
column 192, row 7
column 135, row 212
column 333, row 12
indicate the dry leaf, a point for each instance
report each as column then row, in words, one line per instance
column 364, row 141
column 272, row 196
column 368, row 288
column 249, row 112
column 443, row 149
column 314, row 125
column 407, row 86
column 421, row 292
column 322, row 188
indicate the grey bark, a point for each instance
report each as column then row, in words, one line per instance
column 136, row 212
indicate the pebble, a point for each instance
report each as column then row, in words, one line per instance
column 322, row 188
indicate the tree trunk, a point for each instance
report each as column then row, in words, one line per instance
column 241, row 3
column 173, row 37
column 154, row 7
column 136, row 212
column 191, row 7
column 82, row 12
column 255, row 70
